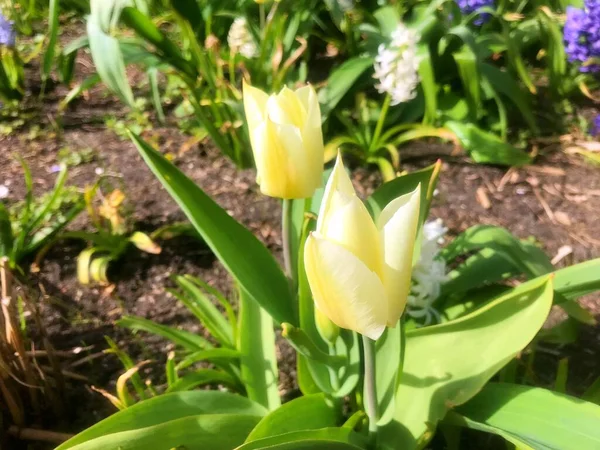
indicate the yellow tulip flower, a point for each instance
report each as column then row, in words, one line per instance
column 286, row 139
column 359, row 270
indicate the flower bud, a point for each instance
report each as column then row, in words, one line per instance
column 286, row 139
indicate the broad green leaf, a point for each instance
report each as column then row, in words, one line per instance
column 387, row 18
column 455, row 420
column 108, row 59
column 487, row 148
column 214, row 431
column 340, row 82
column 165, row 408
column 467, row 302
column 190, row 9
column 258, row 360
column 190, row 341
column 203, row 377
column 446, row 365
column 200, row 306
column 53, row 10
column 428, row 84
column 336, row 10
column 106, row 13
column 307, row 439
column 538, row 417
column 146, row 29
column 468, row 69
column 388, row 359
column 404, row 184
column 570, row 283
column 244, row 256
column 581, row 279
column 505, row 84
column 485, row 266
column 504, row 243
column 453, row 106
column 592, row 393
column 310, row 412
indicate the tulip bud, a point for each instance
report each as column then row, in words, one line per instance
column 359, row 270
column 286, row 139
column 327, row 329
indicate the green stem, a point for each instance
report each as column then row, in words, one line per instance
column 286, row 222
column 370, row 389
column 380, row 122
column 263, row 20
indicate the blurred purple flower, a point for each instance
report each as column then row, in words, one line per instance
column 595, row 128
column 582, row 35
column 470, row 6
column 7, row 33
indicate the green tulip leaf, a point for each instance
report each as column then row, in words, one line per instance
column 214, row 431
column 258, row 360
column 404, row 184
column 487, row 148
column 304, row 413
column 341, row 81
column 446, row 365
column 578, row 280
column 254, row 268
column 108, row 59
column 325, row 438
column 534, row 417
column 166, row 408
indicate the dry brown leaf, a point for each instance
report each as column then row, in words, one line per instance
column 482, row 198
column 562, row 218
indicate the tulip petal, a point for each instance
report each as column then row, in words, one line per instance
column 282, row 167
column 344, row 219
column 398, row 227
column 344, row 289
column 255, row 106
column 309, row 99
column 339, row 182
column 286, row 109
column 312, row 133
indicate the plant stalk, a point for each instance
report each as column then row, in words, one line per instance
column 370, row 391
column 286, row 225
column 262, row 13
column 380, row 122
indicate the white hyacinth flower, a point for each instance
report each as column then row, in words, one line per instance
column 396, row 65
column 240, row 40
column 428, row 275
column 346, row 5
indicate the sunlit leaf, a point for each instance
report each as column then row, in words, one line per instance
column 446, row 365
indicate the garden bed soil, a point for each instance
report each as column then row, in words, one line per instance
column 556, row 202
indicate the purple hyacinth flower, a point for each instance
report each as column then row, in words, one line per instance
column 7, row 33
column 582, row 35
column 470, row 6
column 595, row 128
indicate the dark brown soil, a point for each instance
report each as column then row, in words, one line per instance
column 557, row 202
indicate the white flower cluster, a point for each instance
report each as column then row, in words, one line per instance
column 396, row 65
column 428, row 275
column 240, row 40
column 346, row 5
